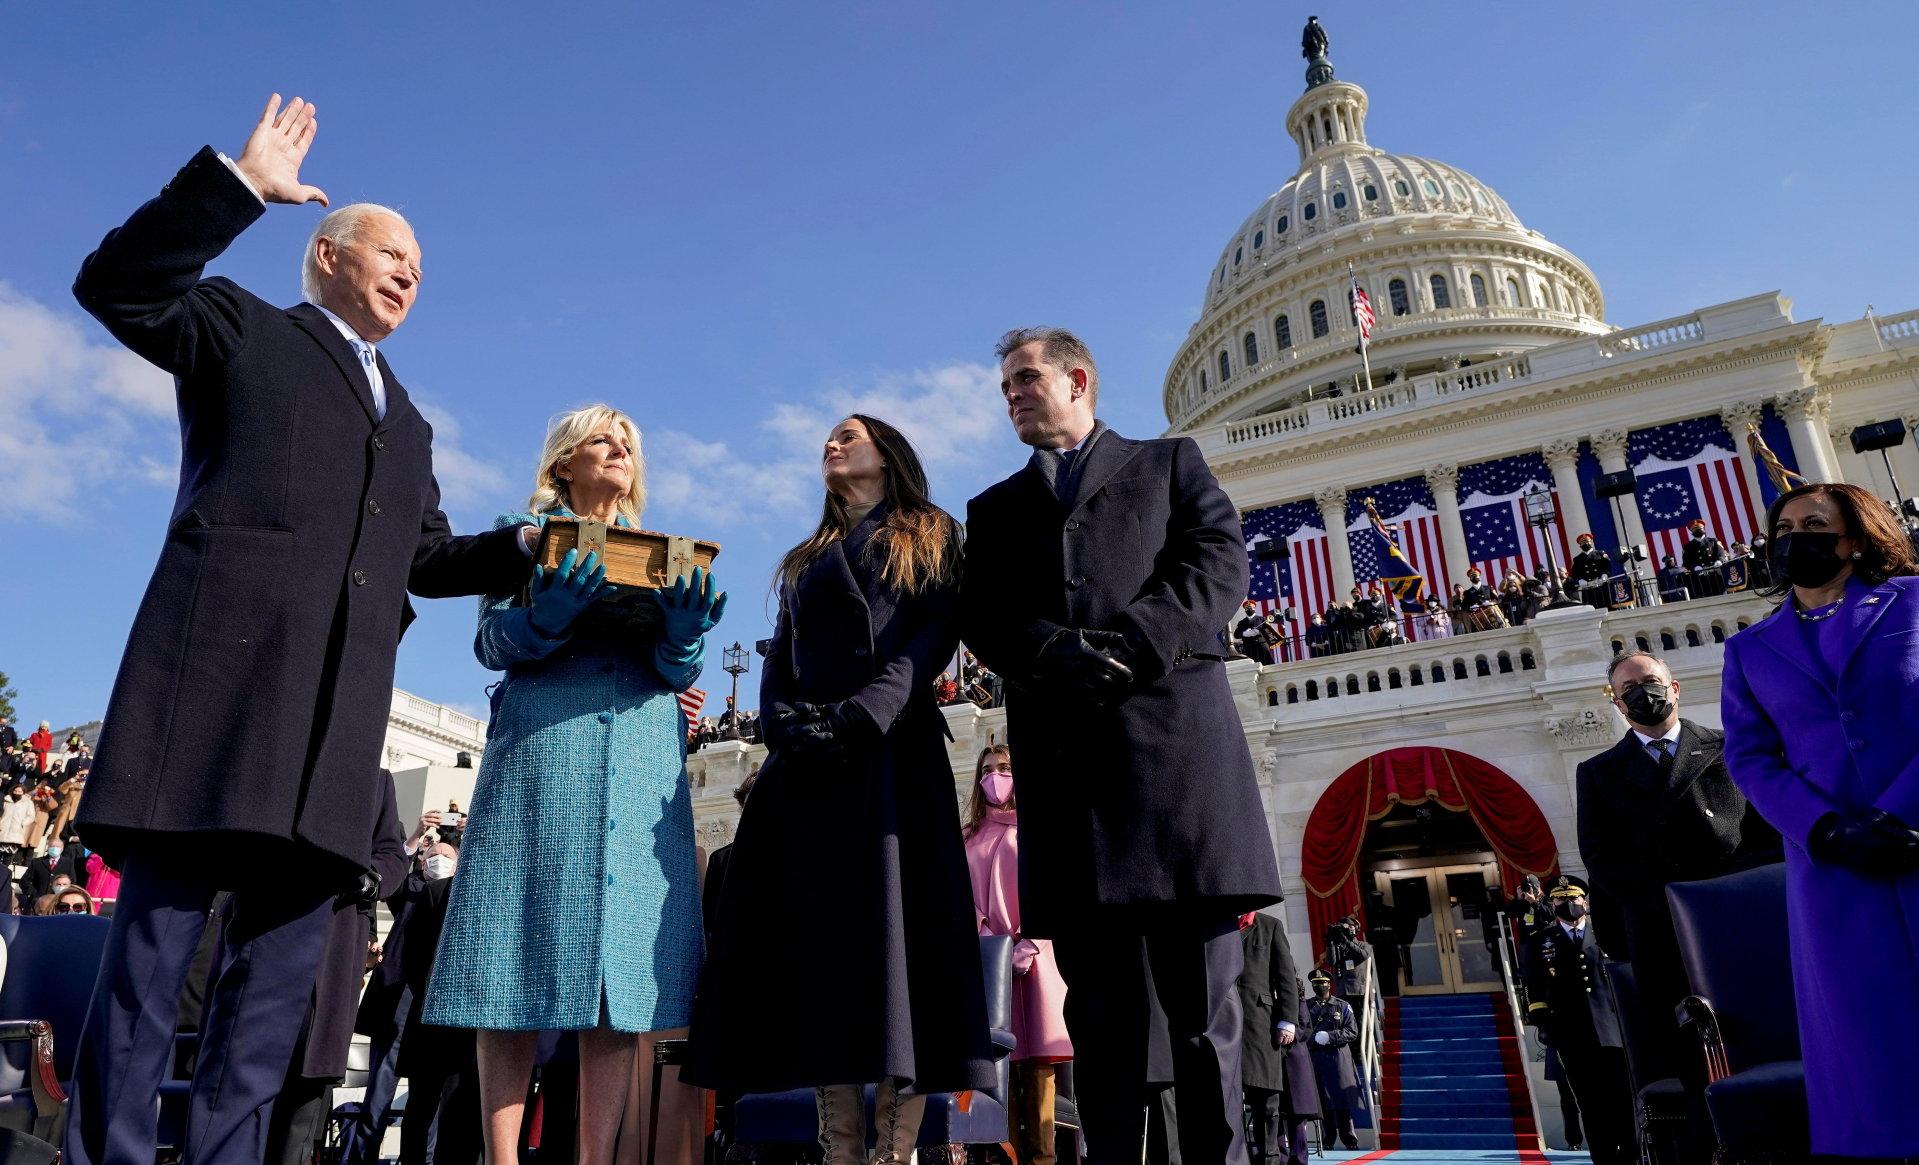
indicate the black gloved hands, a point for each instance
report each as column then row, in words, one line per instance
column 1870, row 841
column 825, row 730
column 1088, row 666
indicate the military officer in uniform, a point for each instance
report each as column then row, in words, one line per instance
column 1249, row 634
column 1334, row 1032
column 1571, row 1007
column 1590, row 570
column 1480, row 605
column 1702, row 555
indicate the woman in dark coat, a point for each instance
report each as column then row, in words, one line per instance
column 844, row 951
column 1276, row 1070
column 1818, row 701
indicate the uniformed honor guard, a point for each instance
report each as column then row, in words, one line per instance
column 1481, row 605
column 1249, row 633
column 1334, row 1032
column 1573, row 1010
column 1702, row 555
column 1590, row 570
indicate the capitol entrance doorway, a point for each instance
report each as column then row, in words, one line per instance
column 1443, row 916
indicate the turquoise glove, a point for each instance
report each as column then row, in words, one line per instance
column 691, row 608
column 560, row 595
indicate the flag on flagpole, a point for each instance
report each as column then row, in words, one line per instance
column 1362, row 311
column 692, row 702
column 1395, row 571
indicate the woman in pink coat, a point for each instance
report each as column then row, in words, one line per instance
column 1039, row 994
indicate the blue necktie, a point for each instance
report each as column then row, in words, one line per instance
column 1660, row 750
column 374, row 381
column 1063, row 479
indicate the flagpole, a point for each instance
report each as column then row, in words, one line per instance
column 1365, row 360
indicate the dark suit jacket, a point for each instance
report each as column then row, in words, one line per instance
column 336, row 993
column 1269, row 993
column 1152, row 802
column 1567, row 993
column 253, row 695
column 425, row 1047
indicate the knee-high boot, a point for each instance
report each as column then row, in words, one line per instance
column 842, row 1125
column 1037, row 1089
column 896, row 1124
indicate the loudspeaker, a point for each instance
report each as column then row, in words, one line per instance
column 1611, row 485
column 463, row 760
column 1272, row 550
column 763, row 647
column 1884, row 435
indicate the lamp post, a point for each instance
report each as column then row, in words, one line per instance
column 1541, row 512
column 735, row 666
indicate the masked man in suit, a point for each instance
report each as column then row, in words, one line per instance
column 1569, row 1002
column 1660, row 807
column 1143, row 837
column 252, row 699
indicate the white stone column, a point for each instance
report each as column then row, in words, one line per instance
column 1562, row 457
column 1610, row 447
column 1444, row 480
column 1332, row 513
column 1806, row 411
column 1737, row 416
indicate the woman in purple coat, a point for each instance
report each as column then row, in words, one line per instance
column 1818, row 703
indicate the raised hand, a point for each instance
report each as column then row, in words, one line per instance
column 273, row 153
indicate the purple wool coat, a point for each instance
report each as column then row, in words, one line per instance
column 1801, row 743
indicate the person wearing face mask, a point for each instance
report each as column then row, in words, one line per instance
column 1818, row 701
column 440, row 1063
column 1333, row 1029
column 1569, row 1002
column 1702, row 555
column 1039, row 994
column 1319, row 637
column 1672, row 581
column 1250, row 634
column 1660, row 807
column 1589, row 571
column 1479, row 604
column 16, row 818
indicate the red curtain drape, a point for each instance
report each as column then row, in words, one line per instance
column 1506, row 814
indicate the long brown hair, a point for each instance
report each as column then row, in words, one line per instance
column 977, row 806
column 1884, row 549
column 916, row 544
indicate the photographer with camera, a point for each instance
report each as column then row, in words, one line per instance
column 1349, row 958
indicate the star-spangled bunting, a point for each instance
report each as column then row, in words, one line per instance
column 1492, row 508
column 1690, row 470
column 1305, row 578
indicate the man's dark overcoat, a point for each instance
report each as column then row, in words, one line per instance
column 1641, row 827
column 336, row 992
column 252, row 699
column 1153, row 801
column 845, row 947
column 1268, row 993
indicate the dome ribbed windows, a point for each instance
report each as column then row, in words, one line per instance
column 1283, row 332
column 1317, row 314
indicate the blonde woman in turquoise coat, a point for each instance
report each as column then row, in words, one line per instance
column 576, row 906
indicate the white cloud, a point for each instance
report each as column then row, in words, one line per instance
column 465, row 480
column 68, row 395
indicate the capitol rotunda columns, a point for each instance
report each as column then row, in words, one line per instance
column 1562, row 457
column 1610, row 448
column 1738, row 416
column 1332, row 512
column 1444, row 482
column 1805, row 411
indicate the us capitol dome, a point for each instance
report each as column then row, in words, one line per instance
column 1454, row 278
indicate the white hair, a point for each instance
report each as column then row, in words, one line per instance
column 342, row 226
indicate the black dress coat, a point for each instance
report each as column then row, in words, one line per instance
column 252, row 699
column 1153, row 801
column 336, row 992
column 1566, row 992
column 1268, row 993
column 1333, row 1061
column 428, row 1049
column 844, row 947
column 1641, row 828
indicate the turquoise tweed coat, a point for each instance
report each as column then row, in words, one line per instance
column 578, row 880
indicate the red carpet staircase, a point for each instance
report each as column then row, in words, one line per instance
column 1453, row 1076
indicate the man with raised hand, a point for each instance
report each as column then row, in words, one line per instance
column 251, row 703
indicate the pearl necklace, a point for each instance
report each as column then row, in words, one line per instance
column 1817, row 613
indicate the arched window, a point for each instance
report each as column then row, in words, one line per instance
column 1222, row 274
column 1339, row 200
column 1202, row 382
column 1459, row 191
column 1479, row 291
column 1396, row 295
column 1225, row 368
column 1252, row 349
column 1238, row 254
column 1279, row 228
column 1311, row 212
column 1370, row 192
column 1512, row 293
column 1400, row 188
column 1283, row 332
column 1545, row 296
column 1326, row 124
column 1317, row 313
column 1441, row 298
column 1430, row 187
column 1259, row 239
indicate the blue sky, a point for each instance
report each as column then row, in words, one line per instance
column 738, row 221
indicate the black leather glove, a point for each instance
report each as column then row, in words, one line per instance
column 1871, row 841
column 778, row 724
column 822, row 730
column 1086, row 666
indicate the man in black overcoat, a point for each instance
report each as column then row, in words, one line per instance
column 250, row 706
column 1569, row 1002
column 1655, row 808
column 1275, row 1067
column 1589, row 571
column 1703, row 554
column 1102, row 573
column 1250, row 634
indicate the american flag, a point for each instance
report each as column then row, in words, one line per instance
column 692, row 701
column 1362, row 310
column 1492, row 507
column 1305, row 579
column 1690, row 470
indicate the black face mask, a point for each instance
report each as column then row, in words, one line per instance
column 1323, row 991
column 1570, row 911
column 1648, row 705
column 1807, row 558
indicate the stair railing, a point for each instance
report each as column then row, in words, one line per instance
column 1372, row 1038
column 1508, row 960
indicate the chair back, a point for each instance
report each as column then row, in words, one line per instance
column 996, row 969
column 1732, row 938
column 1633, row 1023
column 51, row 965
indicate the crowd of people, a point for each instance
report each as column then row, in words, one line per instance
column 1373, row 616
column 49, row 869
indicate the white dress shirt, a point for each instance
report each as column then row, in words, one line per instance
column 369, row 362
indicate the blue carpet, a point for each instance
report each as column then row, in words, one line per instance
column 1453, row 1092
